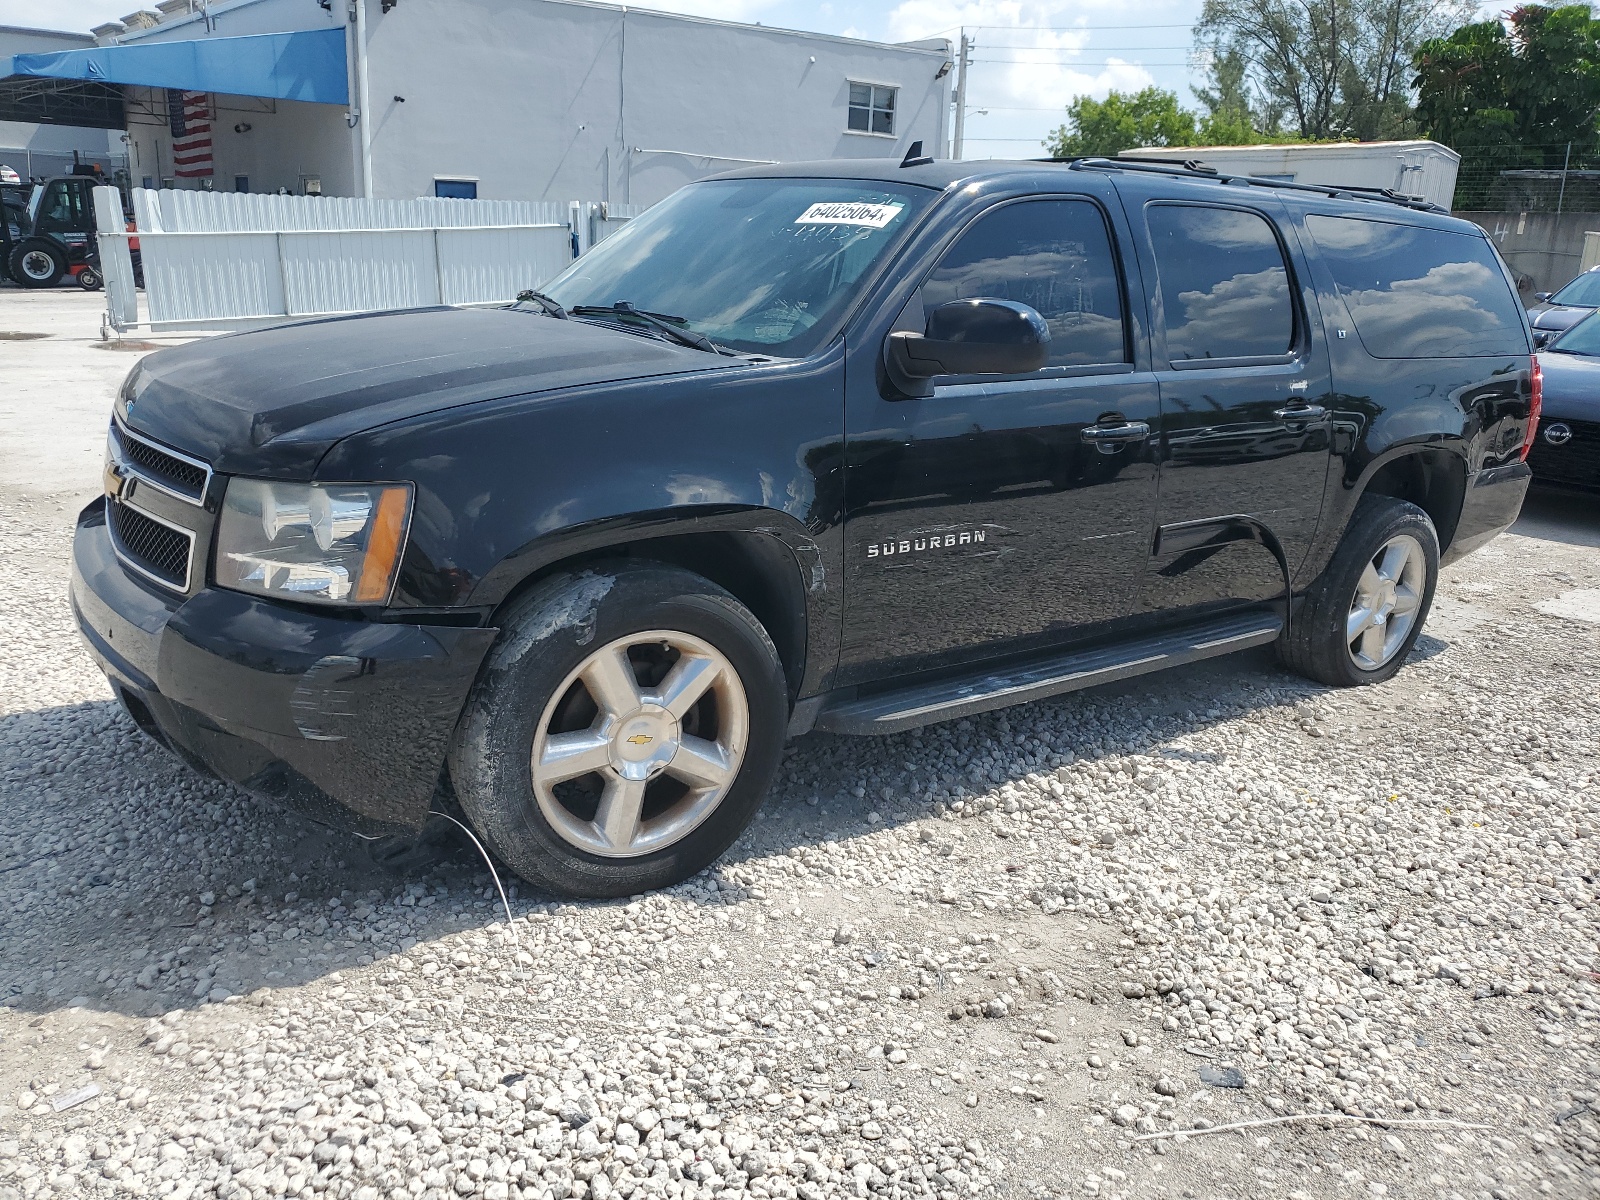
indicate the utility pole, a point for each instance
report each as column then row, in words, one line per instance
column 362, row 100
column 1561, row 197
column 961, row 96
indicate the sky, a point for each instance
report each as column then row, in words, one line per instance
column 1031, row 57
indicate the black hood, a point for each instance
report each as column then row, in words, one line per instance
column 273, row 401
column 1556, row 317
column 1571, row 386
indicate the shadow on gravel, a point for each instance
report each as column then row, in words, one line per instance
column 109, row 845
column 1560, row 517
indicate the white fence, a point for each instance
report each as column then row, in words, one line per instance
column 215, row 260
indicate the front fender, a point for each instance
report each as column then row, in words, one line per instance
column 505, row 489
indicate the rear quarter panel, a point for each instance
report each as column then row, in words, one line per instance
column 1475, row 408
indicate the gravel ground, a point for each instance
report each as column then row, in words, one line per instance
column 991, row 958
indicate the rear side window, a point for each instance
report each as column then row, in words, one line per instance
column 1420, row 293
column 1224, row 284
column 1053, row 255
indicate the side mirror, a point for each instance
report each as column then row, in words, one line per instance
column 1541, row 338
column 968, row 337
column 1542, row 297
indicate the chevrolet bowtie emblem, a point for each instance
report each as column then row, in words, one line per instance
column 640, row 739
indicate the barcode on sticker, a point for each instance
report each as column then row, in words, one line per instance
column 846, row 212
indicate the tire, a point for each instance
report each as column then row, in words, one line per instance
column 37, row 264
column 89, row 279
column 1348, row 629
column 691, row 785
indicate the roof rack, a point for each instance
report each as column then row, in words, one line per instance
column 1195, row 169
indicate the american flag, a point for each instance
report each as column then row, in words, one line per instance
column 189, row 114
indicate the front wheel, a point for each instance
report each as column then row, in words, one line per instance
column 1358, row 622
column 623, row 731
column 37, row 264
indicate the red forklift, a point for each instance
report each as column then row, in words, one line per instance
column 54, row 236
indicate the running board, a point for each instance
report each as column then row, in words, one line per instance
column 948, row 699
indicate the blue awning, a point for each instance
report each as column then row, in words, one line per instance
column 308, row 66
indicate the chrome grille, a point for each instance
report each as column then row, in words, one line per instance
column 162, row 467
column 155, row 549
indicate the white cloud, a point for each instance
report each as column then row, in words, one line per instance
column 748, row 11
column 1032, row 57
column 76, row 16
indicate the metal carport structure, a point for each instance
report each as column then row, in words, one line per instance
column 308, row 65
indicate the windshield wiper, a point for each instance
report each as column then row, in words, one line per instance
column 550, row 306
column 661, row 321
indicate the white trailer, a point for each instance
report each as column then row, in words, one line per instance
column 1415, row 168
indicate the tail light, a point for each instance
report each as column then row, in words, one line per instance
column 1535, row 406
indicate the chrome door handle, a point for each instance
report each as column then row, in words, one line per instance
column 1110, row 435
column 1300, row 412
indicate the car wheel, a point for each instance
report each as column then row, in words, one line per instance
column 37, row 264
column 623, row 730
column 1358, row 622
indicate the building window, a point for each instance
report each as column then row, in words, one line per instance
column 872, row 108
column 456, row 189
column 241, row 183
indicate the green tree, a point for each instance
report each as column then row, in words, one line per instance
column 1331, row 68
column 1122, row 121
column 1512, row 94
column 1232, row 116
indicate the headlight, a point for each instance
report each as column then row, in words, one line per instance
column 337, row 543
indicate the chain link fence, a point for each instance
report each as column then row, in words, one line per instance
column 1553, row 178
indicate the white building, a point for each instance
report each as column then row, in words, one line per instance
column 503, row 99
column 1415, row 168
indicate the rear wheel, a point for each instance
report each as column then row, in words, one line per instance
column 37, row 264
column 89, row 279
column 1358, row 622
column 623, row 732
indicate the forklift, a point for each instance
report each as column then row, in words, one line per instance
column 54, row 236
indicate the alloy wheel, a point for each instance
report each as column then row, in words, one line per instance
column 1388, row 597
column 640, row 744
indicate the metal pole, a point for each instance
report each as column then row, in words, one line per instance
column 961, row 96
column 361, row 83
column 1561, row 196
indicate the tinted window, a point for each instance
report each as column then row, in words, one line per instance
column 1053, row 255
column 1420, row 293
column 1224, row 287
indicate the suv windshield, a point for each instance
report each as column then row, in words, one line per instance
column 1583, row 291
column 1583, row 338
column 763, row 266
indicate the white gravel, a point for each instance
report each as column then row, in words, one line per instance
column 980, row 960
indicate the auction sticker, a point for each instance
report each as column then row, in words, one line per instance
column 848, row 212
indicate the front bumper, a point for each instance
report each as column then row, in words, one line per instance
column 1490, row 506
column 344, row 719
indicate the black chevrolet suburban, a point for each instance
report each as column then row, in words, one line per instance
column 845, row 446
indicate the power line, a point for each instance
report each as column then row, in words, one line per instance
column 1081, row 62
column 1075, row 28
column 1072, row 50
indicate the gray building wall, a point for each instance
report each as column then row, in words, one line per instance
column 553, row 100
column 1543, row 249
column 556, row 100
